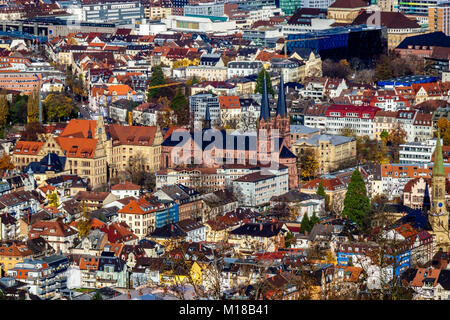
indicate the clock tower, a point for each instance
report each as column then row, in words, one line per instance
column 438, row 215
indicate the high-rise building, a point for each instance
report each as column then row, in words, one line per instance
column 290, row 6
column 111, row 10
column 439, row 18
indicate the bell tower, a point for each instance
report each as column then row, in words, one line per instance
column 438, row 214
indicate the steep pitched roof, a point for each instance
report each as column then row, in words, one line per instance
column 349, row 4
column 79, row 128
column 77, row 147
column 132, row 135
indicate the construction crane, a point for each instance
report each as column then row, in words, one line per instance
column 165, row 85
column 297, row 40
column 130, row 114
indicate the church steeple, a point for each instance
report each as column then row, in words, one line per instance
column 265, row 112
column 438, row 165
column 281, row 103
column 438, row 216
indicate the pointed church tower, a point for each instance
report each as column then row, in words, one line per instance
column 282, row 122
column 438, row 215
column 264, row 116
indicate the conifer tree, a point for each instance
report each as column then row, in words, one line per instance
column 260, row 82
column 156, row 79
column 304, row 225
column 356, row 202
column 313, row 221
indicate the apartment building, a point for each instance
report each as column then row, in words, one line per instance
column 357, row 118
column 135, row 146
column 43, row 277
column 395, row 176
column 110, row 10
column 257, row 188
column 439, row 18
column 417, row 152
column 140, row 216
column 208, row 179
column 332, row 151
column 198, row 103
column 12, row 254
column 21, row 81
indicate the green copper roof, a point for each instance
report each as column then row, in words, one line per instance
column 438, row 166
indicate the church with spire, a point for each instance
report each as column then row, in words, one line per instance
column 438, row 214
column 269, row 128
column 277, row 127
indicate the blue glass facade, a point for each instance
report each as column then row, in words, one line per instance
column 167, row 215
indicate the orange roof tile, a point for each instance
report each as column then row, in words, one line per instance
column 229, row 102
column 77, row 147
column 28, row 147
column 79, row 128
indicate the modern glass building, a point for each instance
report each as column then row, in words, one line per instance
column 342, row 42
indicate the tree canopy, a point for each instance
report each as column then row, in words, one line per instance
column 444, row 127
column 356, row 203
column 157, row 78
column 58, row 106
column 260, row 82
column 307, row 164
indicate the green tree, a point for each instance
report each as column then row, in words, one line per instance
column 313, row 221
column 384, row 135
column 288, row 239
column 18, row 109
column 356, row 203
column 58, row 106
column 84, row 224
column 156, row 79
column 304, row 225
column 180, row 105
column 260, row 82
column 4, row 113
column 321, row 192
column 33, row 107
column 97, row 296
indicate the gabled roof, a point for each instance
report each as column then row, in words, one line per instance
column 51, row 228
column 28, row 147
column 77, row 147
column 391, row 20
column 132, row 135
column 79, row 128
column 349, row 4
column 125, row 185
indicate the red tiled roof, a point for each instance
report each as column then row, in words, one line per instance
column 132, row 135
column 125, row 185
column 77, row 147
column 28, row 147
column 229, row 102
column 79, row 128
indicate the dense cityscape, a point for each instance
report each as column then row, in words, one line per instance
column 224, row 150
